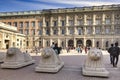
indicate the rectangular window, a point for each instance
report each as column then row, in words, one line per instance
column 40, row 32
column 107, row 21
column 21, row 31
column 55, row 32
column 63, row 31
column 89, row 22
column 89, row 30
column 80, row 22
column 15, row 24
column 9, row 23
column 98, row 21
column 117, row 29
column 27, row 24
column 71, row 31
column 47, row 32
column 47, row 23
column 107, row 30
column 40, row 23
column 33, row 32
column 97, row 30
column 71, row 23
column 33, row 23
column 55, row 23
column 27, row 32
column 63, row 23
column 21, row 24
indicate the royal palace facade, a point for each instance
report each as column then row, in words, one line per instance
column 95, row 26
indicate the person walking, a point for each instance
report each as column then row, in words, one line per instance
column 110, row 51
column 78, row 49
column 116, row 52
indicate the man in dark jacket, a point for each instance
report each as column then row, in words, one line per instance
column 57, row 49
column 110, row 50
column 116, row 55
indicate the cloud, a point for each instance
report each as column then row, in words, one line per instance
column 83, row 2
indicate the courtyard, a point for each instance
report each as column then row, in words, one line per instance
column 71, row 70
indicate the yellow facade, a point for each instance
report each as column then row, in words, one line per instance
column 95, row 26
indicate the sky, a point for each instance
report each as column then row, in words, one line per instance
column 26, row 5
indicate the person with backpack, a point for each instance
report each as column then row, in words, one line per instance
column 116, row 52
column 110, row 51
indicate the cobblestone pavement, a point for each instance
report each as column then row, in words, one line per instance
column 70, row 71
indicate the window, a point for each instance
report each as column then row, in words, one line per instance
column 33, row 32
column 40, row 32
column 55, row 32
column 27, row 24
column 55, row 23
column 89, row 30
column 21, row 24
column 63, row 23
column 117, row 29
column 79, row 31
column 97, row 30
column 89, row 22
column 71, row 31
column 71, row 23
column 40, row 23
column 47, row 23
column 80, row 22
column 117, row 21
column 33, row 24
column 9, row 23
column 63, row 31
column 97, row 44
column 107, row 30
column 47, row 32
column 15, row 24
column 21, row 31
column 27, row 32
column 98, row 21
column 107, row 21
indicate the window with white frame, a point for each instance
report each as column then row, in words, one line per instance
column 33, row 23
column 107, row 21
column 89, row 30
column 117, row 21
column 98, row 22
column 71, row 31
column 107, row 30
column 117, row 29
column 71, row 23
column 89, row 22
column 40, row 23
column 79, row 31
column 21, row 24
column 97, row 30
column 80, row 22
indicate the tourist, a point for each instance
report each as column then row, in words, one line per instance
column 57, row 49
column 53, row 45
column 110, row 50
column 116, row 53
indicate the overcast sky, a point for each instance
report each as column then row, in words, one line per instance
column 26, row 5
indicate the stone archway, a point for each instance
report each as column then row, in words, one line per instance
column 71, row 43
column 88, row 43
column 79, row 42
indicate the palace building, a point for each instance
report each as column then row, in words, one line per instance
column 9, row 37
column 95, row 26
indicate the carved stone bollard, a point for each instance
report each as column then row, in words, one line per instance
column 49, row 61
column 94, row 65
column 16, row 59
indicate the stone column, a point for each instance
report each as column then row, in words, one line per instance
column 113, row 22
column 67, row 18
column 59, row 42
column 51, row 21
column 75, row 42
column 51, row 31
column 93, row 28
column 59, row 30
column 84, row 41
column 51, row 42
column 85, row 30
column 43, row 31
column 66, row 30
column 59, row 18
column 85, row 19
column 75, row 30
column 75, row 20
column 44, row 24
column 43, row 42
column 66, row 41
column 93, row 42
column 103, row 23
